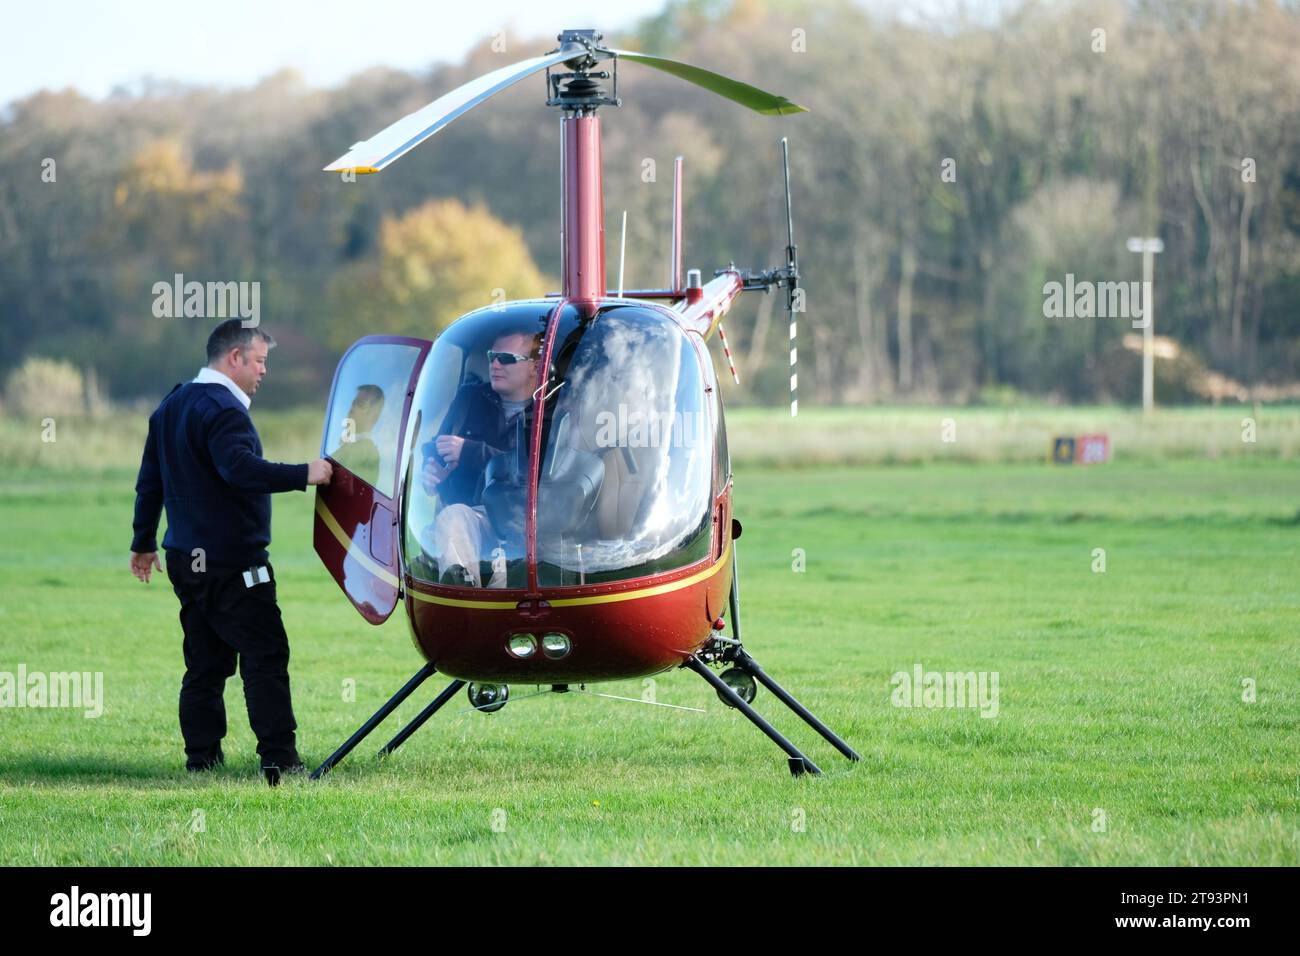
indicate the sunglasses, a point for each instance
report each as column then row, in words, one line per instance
column 506, row 358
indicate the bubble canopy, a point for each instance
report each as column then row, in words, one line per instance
column 586, row 446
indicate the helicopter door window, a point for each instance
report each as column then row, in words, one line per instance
column 362, row 429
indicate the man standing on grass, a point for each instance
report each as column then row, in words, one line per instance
column 203, row 461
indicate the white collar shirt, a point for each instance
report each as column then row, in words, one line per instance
column 211, row 376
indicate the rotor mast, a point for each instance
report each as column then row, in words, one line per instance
column 582, row 203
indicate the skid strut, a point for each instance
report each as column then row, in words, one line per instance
column 733, row 652
column 798, row 762
column 420, row 676
column 435, row 705
column 750, row 666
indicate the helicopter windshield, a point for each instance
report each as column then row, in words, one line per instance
column 625, row 481
column 624, row 488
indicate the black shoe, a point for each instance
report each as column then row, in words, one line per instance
column 205, row 765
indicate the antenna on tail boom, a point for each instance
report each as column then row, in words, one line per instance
column 675, row 274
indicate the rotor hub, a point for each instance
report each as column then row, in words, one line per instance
column 581, row 90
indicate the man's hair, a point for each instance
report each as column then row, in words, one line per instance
column 232, row 333
column 529, row 332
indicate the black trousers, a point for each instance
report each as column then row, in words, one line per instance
column 224, row 620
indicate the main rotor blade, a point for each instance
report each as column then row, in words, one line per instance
column 411, row 130
column 758, row 100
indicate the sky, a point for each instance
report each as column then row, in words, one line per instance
column 96, row 45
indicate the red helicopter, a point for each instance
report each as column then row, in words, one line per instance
column 546, row 484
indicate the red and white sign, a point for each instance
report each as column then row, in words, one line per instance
column 1092, row 449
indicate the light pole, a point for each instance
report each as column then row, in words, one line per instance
column 1148, row 247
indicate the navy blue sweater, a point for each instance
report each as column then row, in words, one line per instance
column 203, row 460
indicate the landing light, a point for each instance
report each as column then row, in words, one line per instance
column 741, row 682
column 522, row 645
column 555, row 645
column 488, row 698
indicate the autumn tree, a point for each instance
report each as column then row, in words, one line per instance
column 432, row 264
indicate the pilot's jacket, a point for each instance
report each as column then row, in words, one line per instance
column 476, row 414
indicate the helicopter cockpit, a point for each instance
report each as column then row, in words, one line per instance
column 437, row 444
column 624, row 485
column 470, row 418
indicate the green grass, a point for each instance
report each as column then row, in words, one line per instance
column 1119, row 691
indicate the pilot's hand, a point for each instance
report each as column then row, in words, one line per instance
column 142, row 565
column 319, row 472
column 432, row 475
column 449, row 447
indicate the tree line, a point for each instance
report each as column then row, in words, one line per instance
column 948, row 171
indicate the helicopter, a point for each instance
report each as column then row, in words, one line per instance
column 545, row 485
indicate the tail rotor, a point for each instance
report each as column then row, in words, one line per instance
column 784, row 277
column 793, row 298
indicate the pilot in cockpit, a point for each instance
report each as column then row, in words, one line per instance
column 480, row 424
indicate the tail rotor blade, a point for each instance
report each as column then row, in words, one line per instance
column 792, row 280
column 791, row 250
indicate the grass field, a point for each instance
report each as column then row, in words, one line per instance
column 1121, row 735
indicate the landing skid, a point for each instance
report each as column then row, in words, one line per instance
column 730, row 650
column 718, row 650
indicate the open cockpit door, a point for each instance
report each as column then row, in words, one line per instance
column 356, row 527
